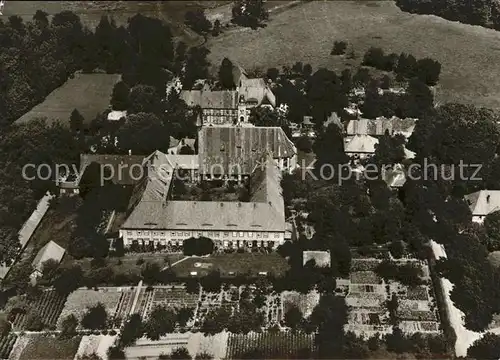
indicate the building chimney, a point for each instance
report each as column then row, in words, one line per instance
column 488, row 199
column 129, row 152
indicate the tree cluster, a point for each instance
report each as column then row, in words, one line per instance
column 406, row 66
column 249, row 13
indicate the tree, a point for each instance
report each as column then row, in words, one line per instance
column 293, row 317
column 272, row 73
column 397, row 248
column 390, row 150
column 34, row 321
column 143, row 133
column 144, row 99
column 68, row 279
column 339, row 48
column 68, row 327
column 180, row 354
column 226, row 74
column 132, row 330
column 197, row 246
column 492, row 227
column 329, row 150
column 120, row 96
column 216, row 321
column 212, row 282
column 151, row 273
column 385, row 82
column 95, row 318
column 115, row 353
column 455, row 133
column 217, row 29
column 184, row 315
column 197, row 66
column 197, row 21
column 428, row 71
column 5, row 325
column 76, row 121
column 249, row 13
column 160, row 322
column 49, row 269
column 374, row 57
column 92, row 356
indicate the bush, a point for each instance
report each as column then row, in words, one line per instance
column 198, row 246
column 339, row 48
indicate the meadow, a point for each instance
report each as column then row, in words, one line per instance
column 89, row 93
column 469, row 54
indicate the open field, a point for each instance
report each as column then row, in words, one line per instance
column 468, row 54
column 42, row 347
column 235, row 263
column 89, row 93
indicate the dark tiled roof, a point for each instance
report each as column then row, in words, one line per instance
column 233, row 149
column 225, row 99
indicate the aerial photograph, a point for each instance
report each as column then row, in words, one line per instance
column 250, row 179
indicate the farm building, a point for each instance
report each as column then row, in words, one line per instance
column 482, row 203
column 51, row 251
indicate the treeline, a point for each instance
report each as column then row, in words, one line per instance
column 484, row 12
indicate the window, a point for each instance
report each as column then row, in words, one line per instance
column 186, row 233
column 154, row 233
column 277, row 235
column 172, row 233
column 258, row 235
column 146, row 232
column 217, row 234
column 129, row 232
column 235, row 233
column 139, row 233
column 162, row 233
column 250, row 234
column 226, row 233
column 179, row 233
column 242, row 234
column 265, row 235
column 210, row 233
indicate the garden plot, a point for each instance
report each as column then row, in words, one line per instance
column 48, row 307
column 81, row 299
column 367, row 297
column 274, row 310
column 272, row 345
column 305, row 302
column 174, row 297
column 6, row 345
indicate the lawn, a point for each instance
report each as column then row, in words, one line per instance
column 238, row 263
column 42, row 347
column 468, row 54
column 89, row 93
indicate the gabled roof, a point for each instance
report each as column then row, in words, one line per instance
column 235, row 149
column 379, row 126
column 51, row 251
column 360, row 144
column 484, row 202
column 221, row 99
column 264, row 213
column 256, row 92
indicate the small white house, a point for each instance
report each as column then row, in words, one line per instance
column 51, row 251
column 482, row 203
